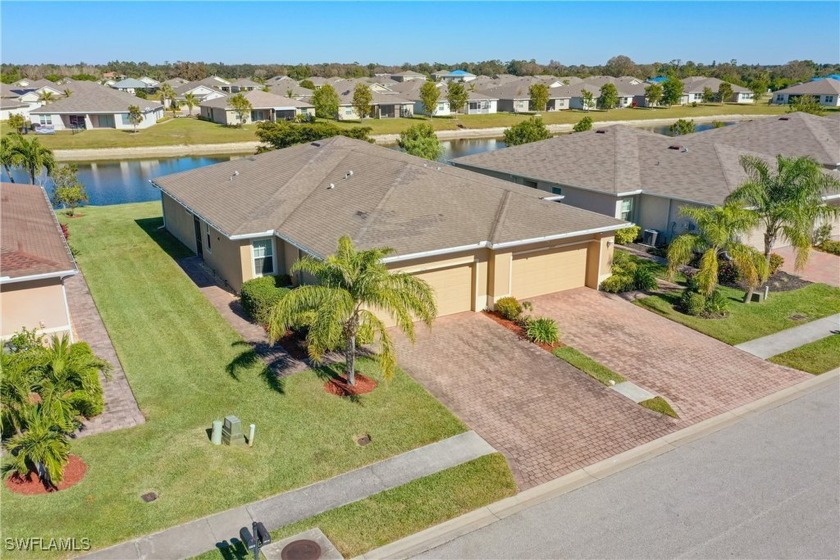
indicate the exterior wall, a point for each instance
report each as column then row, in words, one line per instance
column 654, row 212
column 601, row 203
column 347, row 113
column 6, row 113
column 39, row 304
column 178, row 221
column 742, row 97
column 62, row 121
column 825, row 100
column 229, row 259
column 558, row 104
column 492, row 106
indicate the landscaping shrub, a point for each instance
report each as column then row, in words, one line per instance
column 644, row 279
column 716, row 303
column 542, row 330
column 727, row 273
column 692, row 303
column 627, row 276
column 617, row 283
column 821, row 234
column 509, row 308
column 776, row 260
column 830, row 246
column 627, row 235
column 259, row 295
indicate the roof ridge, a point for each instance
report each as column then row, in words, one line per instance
column 819, row 134
column 385, row 197
column 500, row 216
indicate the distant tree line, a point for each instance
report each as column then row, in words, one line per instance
column 774, row 76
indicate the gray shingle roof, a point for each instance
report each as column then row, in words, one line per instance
column 623, row 159
column 89, row 97
column 827, row 86
column 391, row 199
column 259, row 100
column 696, row 84
column 130, row 83
column 31, row 241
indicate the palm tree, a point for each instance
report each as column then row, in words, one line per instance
column 7, row 156
column 789, row 202
column 337, row 310
column 166, row 92
column 16, row 390
column 30, row 154
column 68, row 92
column 719, row 229
column 42, row 448
column 46, row 96
column 190, row 100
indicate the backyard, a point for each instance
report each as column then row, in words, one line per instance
column 187, row 367
column 193, row 131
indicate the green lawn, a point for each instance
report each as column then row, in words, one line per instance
column 587, row 365
column 193, row 131
column 754, row 320
column 660, row 405
column 388, row 516
column 815, row 357
column 188, row 367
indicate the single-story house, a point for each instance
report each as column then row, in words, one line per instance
column 34, row 261
column 385, row 105
column 242, row 84
column 408, row 76
column 475, row 239
column 514, row 96
column 132, row 85
column 626, row 173
column 290, row 88
column 95, row 106
column 827, row 92
column 453, row 76
column 11, row 106
column 694, row 86
column 264, row 107
column 176, row 82
column 201, row 91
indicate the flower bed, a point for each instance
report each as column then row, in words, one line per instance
column 515, row 327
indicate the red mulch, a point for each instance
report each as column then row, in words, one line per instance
column 516, row 328
column 340, row 387
column 30, row 485
column 295, row 345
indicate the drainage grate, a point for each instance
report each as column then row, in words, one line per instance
column 301, row 550
column 363, row 440
column 149, row 497
column 798, row 317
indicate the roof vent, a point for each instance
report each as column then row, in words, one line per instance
column 348, row 174
column 316, row 144
column 784, row 118
column 600, row 132
column 234, row 174
column 677, row 147
column 332, row 186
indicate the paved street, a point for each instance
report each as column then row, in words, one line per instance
column 765, row 487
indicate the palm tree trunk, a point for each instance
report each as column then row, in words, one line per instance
column 350, row 357
column 9, row 173
column 769, row 239
column 749, row 294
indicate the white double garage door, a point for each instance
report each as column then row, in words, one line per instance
column 533, row 273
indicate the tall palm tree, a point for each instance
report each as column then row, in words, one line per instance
column 47, row 97
column 30, row 154
column 42, row 448
column 338, row 309
column 718, row 231
column 7, row 156
column 788, row 202
column 190, row 100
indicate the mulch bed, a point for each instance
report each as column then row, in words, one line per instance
column 781, row 281
column 516, row 328
column 338, row 386
column 31, row 485
column 295, row 344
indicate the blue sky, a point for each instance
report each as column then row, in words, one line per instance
column 393, row 33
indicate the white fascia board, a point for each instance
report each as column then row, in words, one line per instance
column 269, row 233
column 592, row 231
column 435, row 253
column 33, row 277
column 629, row 193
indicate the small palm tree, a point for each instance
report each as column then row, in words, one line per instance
column 16, row 391
column 46, row 97
column 42, row 448
column 190, row 100
column 719, row 229
column 67, row 92
column 7, row 156
column 30, row 154
column 166, row 92
column 787, row 202
column 338, row 309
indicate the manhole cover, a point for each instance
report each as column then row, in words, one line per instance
column 798, row 317
column 301, row 550
column 363, row 440
column 149, row 497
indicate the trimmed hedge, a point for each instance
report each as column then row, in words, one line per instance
column 627, row 235
column 509, row 308
column 259, row 295
column 830, row 246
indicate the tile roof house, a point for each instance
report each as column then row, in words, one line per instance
column 34, row 261
column 92, row 106
column 474, row 238
column 826, row 91
column 627, row 173
column 264, row 107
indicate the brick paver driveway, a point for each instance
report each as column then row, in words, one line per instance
column 821, row 267
column 701, row 376
column 547, row 417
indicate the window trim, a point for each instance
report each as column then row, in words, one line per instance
column 274, row 271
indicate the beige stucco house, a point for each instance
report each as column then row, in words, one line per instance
column 473, row 238
column 34, row 261
column 826, row 91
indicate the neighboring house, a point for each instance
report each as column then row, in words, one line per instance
column 473, row 238
column 408, row 76
column 694, row 86
column 132, row 85
column 34, row 261
column 626, row 173
column 176, row 82
column 11, row 106
column 477, row 103
column 264, row 107
column 151, row 83
column 480, row 104
column 385, row 105
column 514, row 96
column 240, row 85
column 93, row 106
column 453, row 76
column 202, row 91
column 826, row 91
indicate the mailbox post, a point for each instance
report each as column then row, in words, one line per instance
column 255, row 542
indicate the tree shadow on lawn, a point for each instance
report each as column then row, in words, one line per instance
column 251, row 356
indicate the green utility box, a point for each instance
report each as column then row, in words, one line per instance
column 232, row 431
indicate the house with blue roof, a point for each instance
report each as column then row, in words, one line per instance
column 453, row 76
column 830, row 77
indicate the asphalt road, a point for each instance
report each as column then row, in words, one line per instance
column 766, row 487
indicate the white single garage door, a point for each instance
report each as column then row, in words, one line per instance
column 544, row 272
column 453, row 288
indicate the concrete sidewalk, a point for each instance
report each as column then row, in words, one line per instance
column 201, row 535
column 768, row 346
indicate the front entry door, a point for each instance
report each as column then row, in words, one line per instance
column 199, row 249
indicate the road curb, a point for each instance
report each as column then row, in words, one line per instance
column 487, row 515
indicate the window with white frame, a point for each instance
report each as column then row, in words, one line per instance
column 263, row 251
column 441, row 107
column 45, row 119
column 626, row 209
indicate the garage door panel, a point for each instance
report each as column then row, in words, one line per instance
column 545, row 272
column 452, row 287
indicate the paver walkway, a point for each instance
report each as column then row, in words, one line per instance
column 121, row 410
column 788, row 339
column 204, row 534
column 700, row 376
column 547, row 417
column 821, row 267
column 280, row 362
